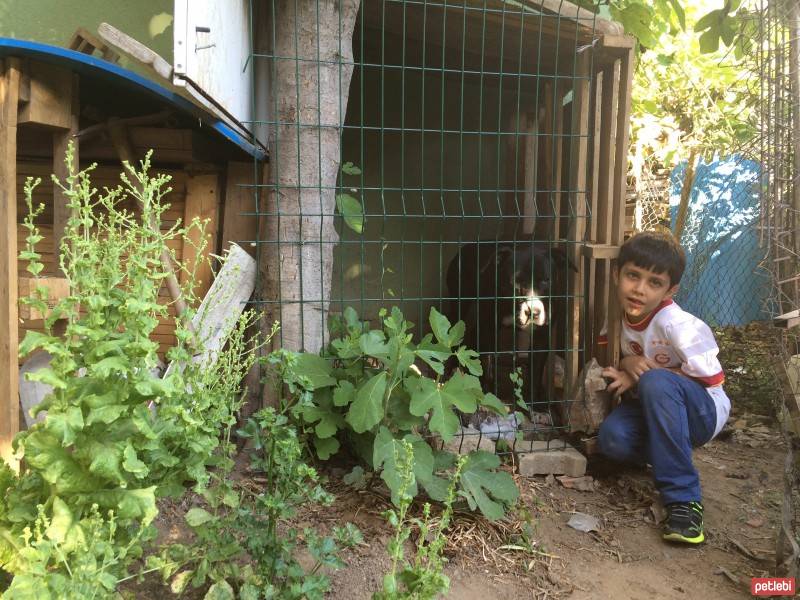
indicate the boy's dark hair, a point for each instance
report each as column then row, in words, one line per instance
column 656, row 251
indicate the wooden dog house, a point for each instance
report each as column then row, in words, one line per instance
column 50, row 96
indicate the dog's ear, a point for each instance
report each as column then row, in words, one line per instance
column 562, row 259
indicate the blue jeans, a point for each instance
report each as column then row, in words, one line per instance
column 672, row 415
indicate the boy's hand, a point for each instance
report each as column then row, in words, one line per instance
column 621, row 382
column 636, row 365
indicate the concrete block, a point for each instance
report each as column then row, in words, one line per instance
column 550, row 458
column 469, row 439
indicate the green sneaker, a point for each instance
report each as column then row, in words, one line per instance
column 684, row 523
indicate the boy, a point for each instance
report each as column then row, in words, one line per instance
column 669, row 364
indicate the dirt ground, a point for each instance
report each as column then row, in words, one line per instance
column 626, row 558
column 534, row 554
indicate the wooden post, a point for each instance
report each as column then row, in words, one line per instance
column 577, row 219
column 606, row 205
column 530, row 211
column 237, row 226
column 620, row 187
column 9, row 320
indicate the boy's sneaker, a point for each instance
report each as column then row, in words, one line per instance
column 684, row 523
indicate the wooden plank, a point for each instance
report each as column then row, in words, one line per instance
column 597, row 251
column 49, row 87
column 787, row 320
column 9, row 321
column 222, row 305
column 135, row 49
column 591, row 265
column 57, row 289
column 620, row 189
column 238, row 227
column 606, row 215
column 61, row 170
column 546, row 177
column 531, row 140
column 202, row 202
column 558, row 156
column 581, row 106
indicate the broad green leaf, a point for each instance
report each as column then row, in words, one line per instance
column 178, row 583
column 316, row 368
column 352, row 211
column 470, row 360
column 374, row 344
column 445, row 334
column 115, row 365
column 45, row 453
column 367, row 409
column 709, row 41
column 106, row 462
column 434, row 355
column 48, row 376
column 105, row 414
column 326, row 447
column 65, row 424
column 681, row 14
column 198, row 516
column 221, row 590
column 485, row 488
column 344, row 393
column 387, row 452
column 63, row 529
column 428, row 397
column 323, row 413
column 130, row 504
column 132, row 464
column 27, row 587
column 397, row 410
column 494, row 404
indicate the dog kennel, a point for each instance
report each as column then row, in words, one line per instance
column 493, row 121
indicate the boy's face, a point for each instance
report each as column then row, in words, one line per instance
column 640, row 291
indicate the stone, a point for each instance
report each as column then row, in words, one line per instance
column 592, row 402
column 469, row 439
column 550, row 458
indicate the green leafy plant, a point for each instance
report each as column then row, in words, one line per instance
column 116, row 435
column 368, row 391
column 422, row 578
column 238, row 522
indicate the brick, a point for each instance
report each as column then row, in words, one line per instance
column 555, row 460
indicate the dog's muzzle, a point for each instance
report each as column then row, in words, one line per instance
column 531, row 312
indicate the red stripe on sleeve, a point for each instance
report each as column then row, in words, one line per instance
column 717, row 379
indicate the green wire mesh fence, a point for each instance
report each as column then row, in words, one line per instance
column 454, row 155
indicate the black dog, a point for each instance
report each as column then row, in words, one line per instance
column 510, row 297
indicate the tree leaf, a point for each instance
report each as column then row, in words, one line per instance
column 344, row 393
column 494, row 404
column 709, row 41
column 486, row 489
column 386, row 453
column 470, row 360
column 446, row 335
column 326, row 447
column 352, row 211
column 367, row 409
column 427, row 396
column 349, row 168
column 316, row 368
